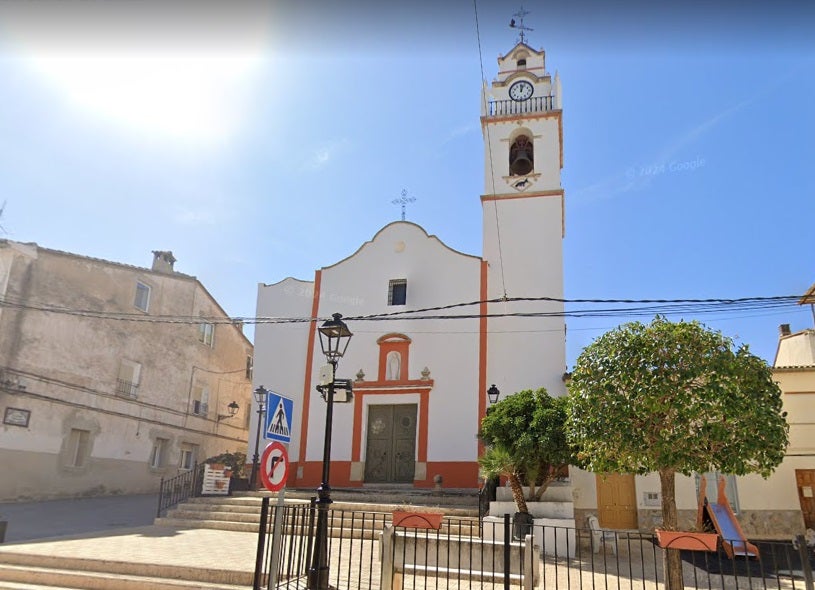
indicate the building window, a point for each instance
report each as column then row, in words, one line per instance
column 200, row 400
column 127, row 383
column 157, row 454
column 206, row 333
column 712, row 488
column 142, row 300
column 397, row 292
column 250, row 367
column 78, row 448
column 188, row 453
column 522, row 63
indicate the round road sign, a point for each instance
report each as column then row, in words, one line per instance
column 274, row 467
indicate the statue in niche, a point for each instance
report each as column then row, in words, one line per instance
column 393, row 366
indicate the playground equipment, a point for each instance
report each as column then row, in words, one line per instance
column 719, row 515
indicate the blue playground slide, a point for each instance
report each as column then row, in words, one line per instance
column 724, row 521
column 728, row 531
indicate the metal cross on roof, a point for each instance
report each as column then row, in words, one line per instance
column 520, row 25
column 404, row 200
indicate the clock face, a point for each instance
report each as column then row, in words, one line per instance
column 521, row 90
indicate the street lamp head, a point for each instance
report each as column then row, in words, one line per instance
column 493, row 392
column 334, row 338
column 233, row 408
column 260, row 395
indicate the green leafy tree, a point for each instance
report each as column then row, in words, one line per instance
column 526, row 442
column 674, row 398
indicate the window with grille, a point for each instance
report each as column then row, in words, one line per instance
column 142, row 300
column 250, row 367
column 397, row 292
column 127, row 382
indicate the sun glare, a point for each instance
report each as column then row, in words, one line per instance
column 197, row 100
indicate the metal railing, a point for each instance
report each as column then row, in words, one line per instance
column 368, row 553
column 174, row 490
column 536, row 104
column 126, row 388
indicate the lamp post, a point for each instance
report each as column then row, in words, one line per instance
column 492, row 393
column 334, row 339
column 260, row 398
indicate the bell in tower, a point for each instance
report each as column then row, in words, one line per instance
column 521, row 158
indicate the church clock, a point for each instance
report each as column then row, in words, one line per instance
column 521, row 90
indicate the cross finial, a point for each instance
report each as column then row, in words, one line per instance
column 404, row 200
column 520, row 25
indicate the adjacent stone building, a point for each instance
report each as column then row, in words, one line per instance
column 112, row 376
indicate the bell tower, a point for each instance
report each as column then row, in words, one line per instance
column 523, row 222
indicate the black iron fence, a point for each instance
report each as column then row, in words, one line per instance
column 367, row 552
column 174, row 490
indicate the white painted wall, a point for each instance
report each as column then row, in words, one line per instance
column 436, row 275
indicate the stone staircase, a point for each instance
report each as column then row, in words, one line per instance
column 20, row 571
column 241, row 512
column 27, row 569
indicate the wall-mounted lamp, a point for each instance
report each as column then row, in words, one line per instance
column 232, row 409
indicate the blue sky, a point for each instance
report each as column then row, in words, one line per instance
column 241, row 139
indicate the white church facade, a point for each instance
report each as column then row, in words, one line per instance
column 420, row 385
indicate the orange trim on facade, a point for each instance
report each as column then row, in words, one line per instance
column 455, row 474
column 521, row 117
column 312, row 331
column 385, row 348
column 340, row 474
column 482, row 354
column 551, row 193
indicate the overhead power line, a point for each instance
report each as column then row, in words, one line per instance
column 551, row 307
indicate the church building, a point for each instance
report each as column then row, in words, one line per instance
column 420, row 381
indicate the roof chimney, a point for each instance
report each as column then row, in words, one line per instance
column 163, row 261
column 784, row 330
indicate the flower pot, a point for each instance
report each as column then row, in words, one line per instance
column 522, row 525
column 687, row 540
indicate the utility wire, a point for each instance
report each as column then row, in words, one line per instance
column 589, row 308
column 489, row 151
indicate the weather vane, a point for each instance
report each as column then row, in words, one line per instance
column 403, row 201
column 520, row 25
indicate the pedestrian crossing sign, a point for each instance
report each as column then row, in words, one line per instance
column 279, row 413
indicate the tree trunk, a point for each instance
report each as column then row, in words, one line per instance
column 673, row 560
column 517, row 492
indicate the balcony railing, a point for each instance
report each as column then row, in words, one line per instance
column 126, row 388
column 536, row 104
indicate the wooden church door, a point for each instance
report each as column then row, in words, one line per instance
column 391, row 447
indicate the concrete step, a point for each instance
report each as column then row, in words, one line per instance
column 86, row 580
column 336, row 531
column 360, row 504
column 21, row 586
column 94, row 574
